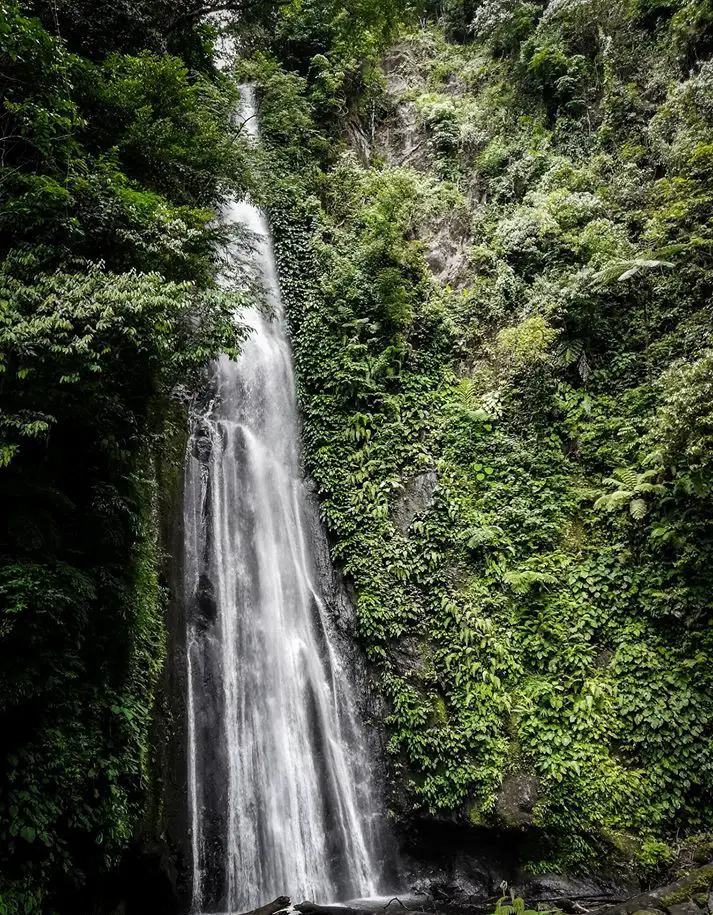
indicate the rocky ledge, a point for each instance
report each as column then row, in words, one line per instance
column 691, row 895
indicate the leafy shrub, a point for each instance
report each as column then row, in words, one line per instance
column 503, row 24
column 111, row 171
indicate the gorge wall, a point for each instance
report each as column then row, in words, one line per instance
column 493, row 247
column 493, row 230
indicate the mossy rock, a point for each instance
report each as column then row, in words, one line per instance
column 517, row 798
column 681, row 894
column 684, row 908
column 625, row 843
column 703, row 852
column 699, row 881
column 476, row 817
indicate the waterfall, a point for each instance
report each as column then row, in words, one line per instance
column 281, row 799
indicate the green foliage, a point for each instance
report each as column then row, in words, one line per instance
column 87, row 364
column 631, row 489
column 684, row 424
column 111, row 171
column 504, row 25
column 512, row 905
column 501, row 329
column 127, row 158
column 334, row 47
column 168, row 127
column 547, row 610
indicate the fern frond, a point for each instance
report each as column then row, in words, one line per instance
column 655, row 459
column 628, row 476
column 622, row 270
column 466, row 394
column 638, row 509
column 648, row 475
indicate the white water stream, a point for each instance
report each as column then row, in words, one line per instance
column 280, row 793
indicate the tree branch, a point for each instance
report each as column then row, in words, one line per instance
column 223, row 6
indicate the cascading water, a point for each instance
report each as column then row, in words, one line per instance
column 280, row 795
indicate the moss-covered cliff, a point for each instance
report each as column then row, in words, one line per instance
column 494, row 234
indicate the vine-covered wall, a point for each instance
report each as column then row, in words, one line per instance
column 495, row 251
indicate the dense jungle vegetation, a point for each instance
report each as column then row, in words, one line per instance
column 494, row 229
column 493, row 226
column 115, row 148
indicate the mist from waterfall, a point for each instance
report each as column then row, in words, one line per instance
column 281, row 795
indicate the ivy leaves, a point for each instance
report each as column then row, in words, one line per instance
column 558, row 583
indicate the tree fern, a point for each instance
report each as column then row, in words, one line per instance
column 628, row 489
column 622, row 270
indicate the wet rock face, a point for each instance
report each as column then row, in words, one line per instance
column 205, row 605
column 332, row 586
column 408, row 656
column 472, row 880
column 460, row 870
column 572, row 895
column 399, row 137
column 415, row 500
column 341, row 606
column 517, row 799
column 442, row 864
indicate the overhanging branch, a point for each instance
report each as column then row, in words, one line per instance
column 223, row 6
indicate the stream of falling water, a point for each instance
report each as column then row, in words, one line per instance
column 281, row 799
